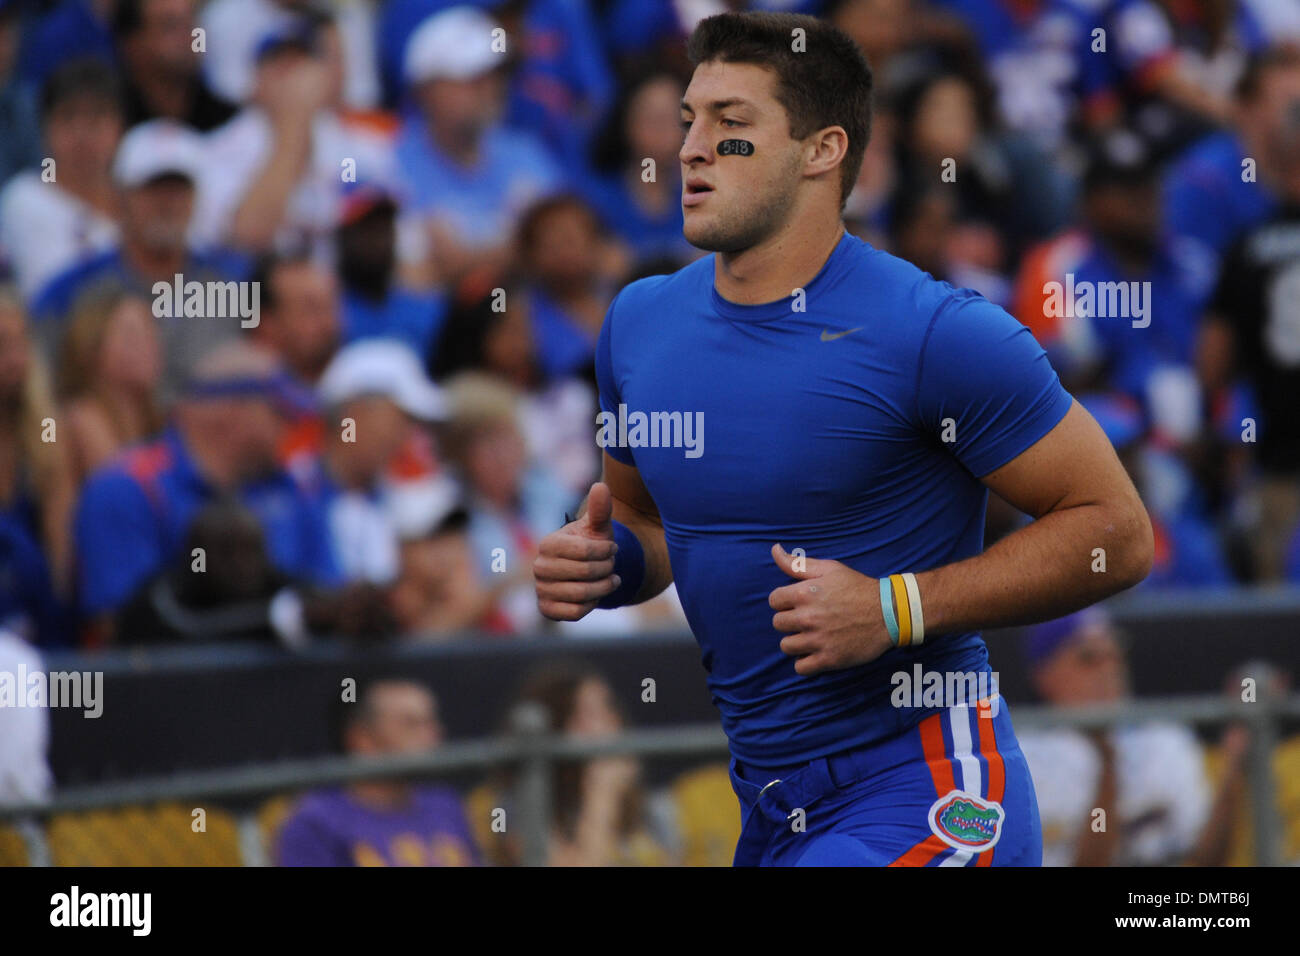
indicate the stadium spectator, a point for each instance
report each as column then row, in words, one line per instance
column 374, row 393
column 301, row 325
column 52, row 220
column 640, row 204
column 375, row 302
column 1250, row 685
column 940, row 126
column 602, row 810
column 71, row 30
column 487, row 329
column 493, row 332
column 1251, row 329
column 299, row 317
column 561, row 84
column 512, row 501
column 921, row 222
column 1216, row 40
column 25, row 775
column 161, row 66
column 882, row 29
column 561, row 248
column 236, row 27
column 1048, row 81
column 1149, row 778
column 1140, row 337
column 29, row 605
column 37, row 489
column 357, row 23
column 222, row 439
column 1004, row 187
column 1053, row 78
column 1163, row 93
column 468, row 175
column 20, row 137
column 277, row 170
column 232, row 598
column 439, row 592
column 225, row 587
column 868, row 209
column 1188, row 552
column 382, row 822
column 32, row 600
column 108, row 373
column 157, row 167
column 1211, row 194
column 560, row 80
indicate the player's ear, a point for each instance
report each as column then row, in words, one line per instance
column 827, row 149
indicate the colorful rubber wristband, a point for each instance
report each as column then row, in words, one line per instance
column 914, row 602
column 902, row 609
column 887, row 608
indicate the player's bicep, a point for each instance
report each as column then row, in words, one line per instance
column 1073, row 465
column 985, row 386
column 627, row 488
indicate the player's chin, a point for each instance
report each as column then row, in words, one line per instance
column 703, row 232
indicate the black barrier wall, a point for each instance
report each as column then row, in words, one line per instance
column 172, row 709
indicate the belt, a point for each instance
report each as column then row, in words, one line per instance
column 810, row 779
column 773, row 802
column 777, row 793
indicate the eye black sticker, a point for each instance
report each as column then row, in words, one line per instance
column 735, row 147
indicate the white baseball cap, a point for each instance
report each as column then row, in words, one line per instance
column 455, row 44
column 384, row 367
column 417, row 508
column 158, row 148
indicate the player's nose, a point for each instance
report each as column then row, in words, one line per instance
column 695, row 148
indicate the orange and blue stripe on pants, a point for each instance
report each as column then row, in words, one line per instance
column 953, row 790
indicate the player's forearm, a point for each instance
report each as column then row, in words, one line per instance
column 1060, row 563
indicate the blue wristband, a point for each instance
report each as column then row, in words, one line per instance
column 629, row 565
column 887, row 608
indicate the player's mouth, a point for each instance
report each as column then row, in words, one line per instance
column 695, row 191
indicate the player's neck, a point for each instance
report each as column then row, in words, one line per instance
column 777, row 266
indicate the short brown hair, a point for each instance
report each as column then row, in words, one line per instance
column 827, row 83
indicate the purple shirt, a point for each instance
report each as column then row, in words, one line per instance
column 330, row 828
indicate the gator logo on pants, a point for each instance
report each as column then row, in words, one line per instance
column 967, row 822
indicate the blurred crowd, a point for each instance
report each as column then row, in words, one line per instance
column 603, row 811
column 301, row 302
column 1143, row 792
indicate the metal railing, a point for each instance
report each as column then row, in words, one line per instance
column 532, row 750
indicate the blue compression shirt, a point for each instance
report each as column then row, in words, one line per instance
column 824, row 419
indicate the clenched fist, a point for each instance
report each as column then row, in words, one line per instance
column 574, row 568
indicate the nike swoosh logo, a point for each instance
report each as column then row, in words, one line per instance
column 828, row 336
